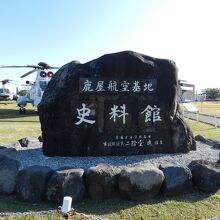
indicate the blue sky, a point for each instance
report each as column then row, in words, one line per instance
column 59, row 31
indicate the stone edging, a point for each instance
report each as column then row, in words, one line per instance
column 37, row 183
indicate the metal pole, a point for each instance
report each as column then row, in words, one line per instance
column 197, row 116
column 215, row 118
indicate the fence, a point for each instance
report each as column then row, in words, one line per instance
column 213, row 120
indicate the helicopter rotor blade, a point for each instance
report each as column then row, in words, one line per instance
column 41, row 66
column 16, row 66
column 28, row 73
column 54, row 67
column 5, row 81
column 14, row 83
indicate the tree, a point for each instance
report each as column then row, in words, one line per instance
column 212, row 93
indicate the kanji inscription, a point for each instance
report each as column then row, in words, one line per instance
column 110, row 85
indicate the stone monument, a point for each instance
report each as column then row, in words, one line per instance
column 123, row 103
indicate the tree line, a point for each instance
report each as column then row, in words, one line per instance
column 212, row 93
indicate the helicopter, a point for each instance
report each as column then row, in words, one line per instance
column 37, row 88
column 5, row 93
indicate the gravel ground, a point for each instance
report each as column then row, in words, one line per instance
column 36, row 157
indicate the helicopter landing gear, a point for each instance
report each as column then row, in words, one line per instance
column 22, row 111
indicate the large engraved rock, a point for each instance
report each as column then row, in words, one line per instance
column 119, row 104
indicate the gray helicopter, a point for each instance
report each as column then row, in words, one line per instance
column 5, row 93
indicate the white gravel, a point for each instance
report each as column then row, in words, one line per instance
column 36, row 157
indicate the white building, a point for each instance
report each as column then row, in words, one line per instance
column 186, row 91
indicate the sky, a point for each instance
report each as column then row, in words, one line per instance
column 59, row 31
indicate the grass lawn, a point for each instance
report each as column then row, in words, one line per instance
column 193, row 206
column 14, row 126
column 209, row 108
column 206, row 130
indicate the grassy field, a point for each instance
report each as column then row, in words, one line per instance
column 191, row 206
column 14, row 126
column 194, row 206
column 206, row 130
column 209, row 108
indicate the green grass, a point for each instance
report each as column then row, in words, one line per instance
column 11, row 204
column 206, row 130
column 194, row 206
column 14, row 126
column 209, row 108
column 22, row 206
column 51, row 216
